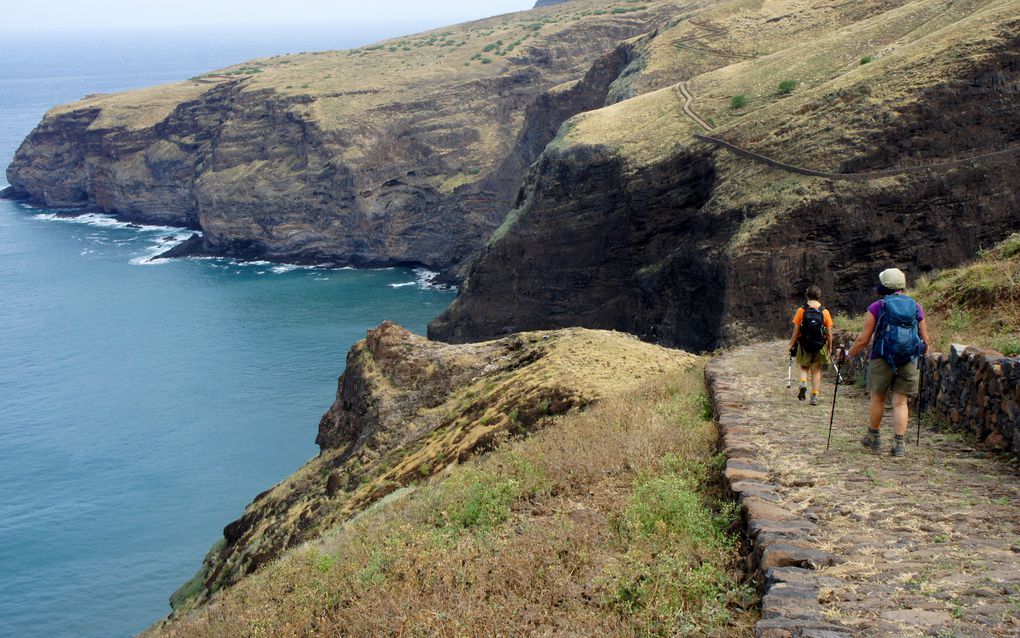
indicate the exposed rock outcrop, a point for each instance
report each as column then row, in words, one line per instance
column 405, row 409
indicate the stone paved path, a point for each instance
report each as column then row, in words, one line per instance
column 926, row 545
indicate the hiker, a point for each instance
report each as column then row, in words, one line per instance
column 811, row 342
column 900, row 336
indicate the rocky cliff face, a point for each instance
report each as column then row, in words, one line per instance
column 405, row 409
column 409, row 151
column 627, row 222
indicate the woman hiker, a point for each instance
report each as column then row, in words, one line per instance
column 901, row 335
column 811, row 342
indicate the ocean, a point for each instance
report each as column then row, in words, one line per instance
column 143, row 405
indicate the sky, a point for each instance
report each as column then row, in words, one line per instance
column 63, row 14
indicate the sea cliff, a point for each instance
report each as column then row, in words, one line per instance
column 409, row 151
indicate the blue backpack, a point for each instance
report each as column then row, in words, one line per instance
column 896, row 337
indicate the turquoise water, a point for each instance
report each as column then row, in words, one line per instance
column 143, row 405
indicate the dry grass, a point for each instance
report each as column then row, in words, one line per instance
column 916, row 45
column 356, row 83
column 443, row 404
column 607, row 522
column 977, row 304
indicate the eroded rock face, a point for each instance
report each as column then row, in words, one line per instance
column 409, row 152
column 688, row 245
column 588, row 248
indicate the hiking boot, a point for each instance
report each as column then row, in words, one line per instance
column 897, row 447
column 802, row 394
column 814, row 399
column 872, row 440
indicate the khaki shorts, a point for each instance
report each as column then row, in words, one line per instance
column 880, row 377
column 806, row 359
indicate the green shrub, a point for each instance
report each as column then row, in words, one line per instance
column 865, row 59
column 670, row 504
column 1009, row 346
column 786, row 87
column 738, row 101
column 474, row 498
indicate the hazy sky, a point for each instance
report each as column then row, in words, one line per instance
column 38, row 14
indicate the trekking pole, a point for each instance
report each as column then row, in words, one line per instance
column 920, row 396
column 832, row 416
column 789, row 373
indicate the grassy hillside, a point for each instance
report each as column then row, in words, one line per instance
column 834, row 87
column 363, row 92
column 977, row 304
column 606, row 522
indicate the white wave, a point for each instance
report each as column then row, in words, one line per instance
column 406, row 283
column 160, row 246
column 102, row 220
column 282, row 268
column 426, row 280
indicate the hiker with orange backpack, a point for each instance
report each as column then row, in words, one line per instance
column 900, row 337
column 811, row 342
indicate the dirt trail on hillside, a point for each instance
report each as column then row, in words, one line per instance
column 926, row 545
column 686, row 97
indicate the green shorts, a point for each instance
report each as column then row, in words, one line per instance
column 881, row 378
column 806, row 359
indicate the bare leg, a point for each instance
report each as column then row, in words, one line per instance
column 877, row 409
column 816, row 378
column 901, row 412
column 804, row 371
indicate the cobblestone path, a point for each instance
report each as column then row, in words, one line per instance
column 926, row 545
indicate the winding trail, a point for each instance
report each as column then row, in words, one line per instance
column 713, row 32
column 687, row 101
column 863, row 544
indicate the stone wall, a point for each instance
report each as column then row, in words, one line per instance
column 970, row 388
column 780, row 551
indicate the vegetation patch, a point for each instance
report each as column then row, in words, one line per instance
column 786, row 87
column 979, row 303
column 609, row 521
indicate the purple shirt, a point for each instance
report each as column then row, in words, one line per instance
column 876, row 311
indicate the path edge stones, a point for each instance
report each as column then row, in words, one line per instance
column 782, row 554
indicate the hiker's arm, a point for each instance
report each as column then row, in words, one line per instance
column 922, row 329
column 865, row 336
column 793, row 339
column 830, row 327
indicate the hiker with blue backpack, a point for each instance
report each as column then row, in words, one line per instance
column 811, row 342
column 900, row 337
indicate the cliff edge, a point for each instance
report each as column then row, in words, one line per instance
column 409, row 151
column 406, row 409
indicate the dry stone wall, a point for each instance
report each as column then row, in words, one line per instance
column 781, row 551
column 973, row 389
